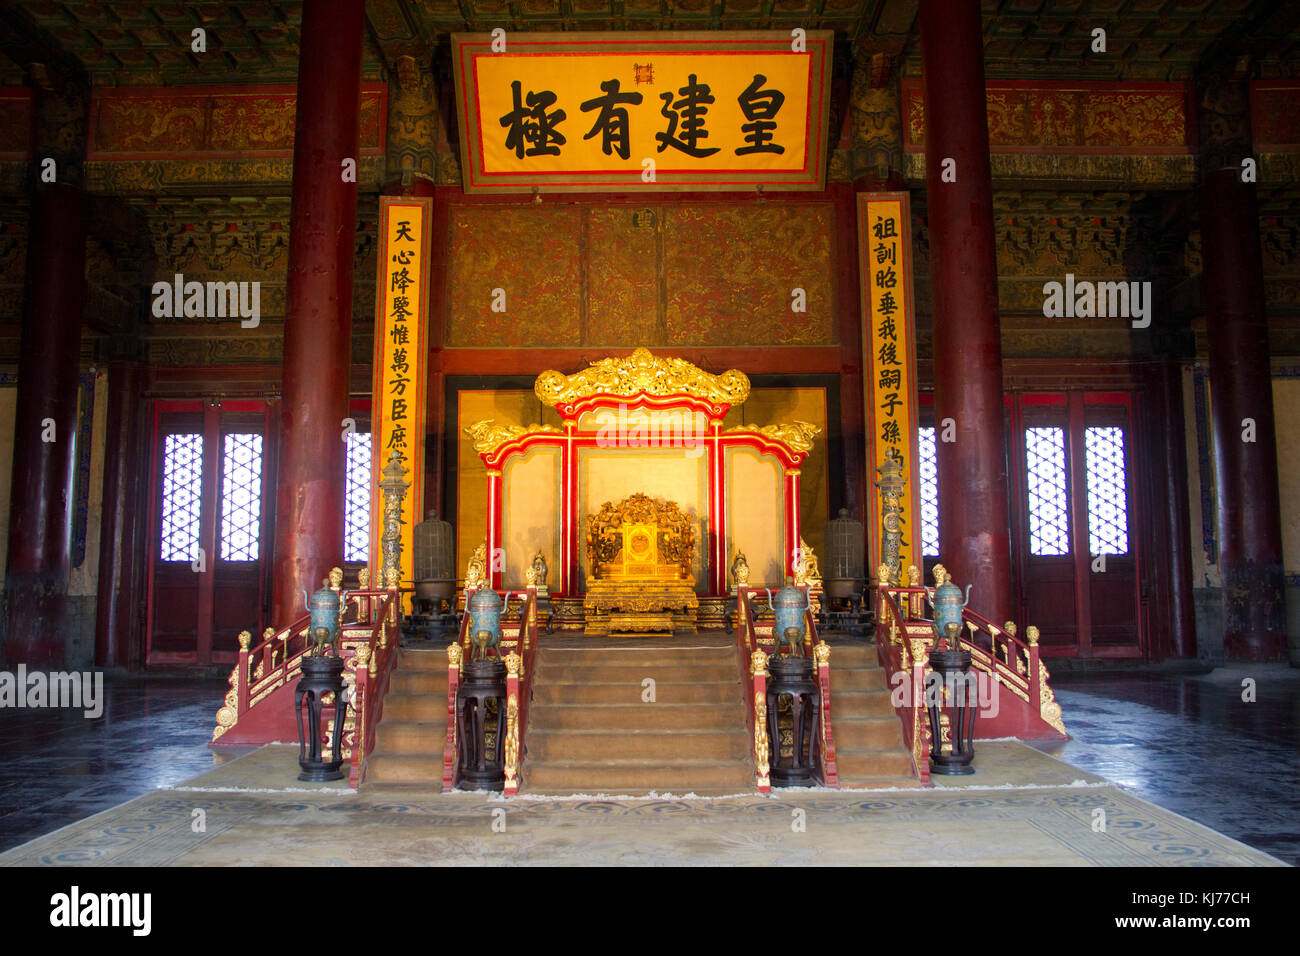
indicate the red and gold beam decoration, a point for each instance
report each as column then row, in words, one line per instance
column 889, row 346
column 401, row 313
column 600, row 112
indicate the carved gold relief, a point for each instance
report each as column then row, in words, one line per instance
column 488, row 436
column 797, row 436
column 1048, row 708
column 641, row 372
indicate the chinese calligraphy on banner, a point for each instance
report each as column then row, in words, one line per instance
column 600, row 112
column 397, row 415
column 889, row 347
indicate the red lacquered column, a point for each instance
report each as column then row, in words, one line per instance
column 118, row 526
column 973, row 521
column 1250, row 533
column 40, row 508
column 318, row 314
column 792, row 529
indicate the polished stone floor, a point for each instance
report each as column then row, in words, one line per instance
column 60, row 766
column 1194, row 746
column 1187, row 744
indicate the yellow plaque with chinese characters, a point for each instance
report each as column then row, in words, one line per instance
column 401, row 319
column 643, row 111
column 889, row 351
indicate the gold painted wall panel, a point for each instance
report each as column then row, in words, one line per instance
column 621, row 276
column 755, row 515
column 623, row 284
column 729, row 272
column 530, row 513
column 534, row 254
column 611, row 474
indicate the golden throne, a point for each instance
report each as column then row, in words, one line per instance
column 639, row 556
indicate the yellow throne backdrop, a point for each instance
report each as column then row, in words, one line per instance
column 530, row 485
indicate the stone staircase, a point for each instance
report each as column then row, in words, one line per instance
column 590, row 731
column 869, row 749
column 413, row 730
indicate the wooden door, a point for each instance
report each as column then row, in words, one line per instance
column 1077, row 566
column 211, row 530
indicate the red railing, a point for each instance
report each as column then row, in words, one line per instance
column 368, row 646
column 904, row 637
column 518, row 638
column 753, row 634
column 371, row 664
column 907, row 671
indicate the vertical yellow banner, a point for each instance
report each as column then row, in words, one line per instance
column 398, row 385
column 889, row 368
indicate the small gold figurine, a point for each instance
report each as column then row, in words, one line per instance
column 740, row 571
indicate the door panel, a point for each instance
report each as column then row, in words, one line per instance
column 1075, row 515
column 1046, row 533
column 211, row 521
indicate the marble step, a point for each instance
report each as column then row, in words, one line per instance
column 665, row 746
column 629, row 692
column 623, row 717
column 629, row 775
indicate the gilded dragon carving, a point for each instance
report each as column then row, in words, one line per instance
column 642, row 373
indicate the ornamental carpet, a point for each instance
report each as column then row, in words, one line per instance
column 1023, row 808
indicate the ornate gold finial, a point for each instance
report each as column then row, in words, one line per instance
column 245, row 638
column 740, row 570
column 453, row 655
column 758, row 663
column 362, row 654
column 392, row 577
column 1031, row 635
column 1010, row 628
column 476, row 568
column 822, row 653
column 513, row 663
column 940, row 574
column 363, row 579
column 642, row 373
column 336, row 579
column 920, row 648
column 882, row 575
column 268, row 634
column 914, row 579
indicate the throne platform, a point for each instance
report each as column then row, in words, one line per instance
column 640, row 552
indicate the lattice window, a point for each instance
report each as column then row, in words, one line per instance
column 1049, row 508
column 1107, row 490
column 182, row 488
column 356, row 502
column 929, row 477
column 241, row 497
